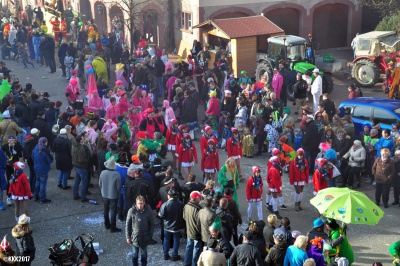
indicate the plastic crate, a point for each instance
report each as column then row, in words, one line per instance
column 327, row 58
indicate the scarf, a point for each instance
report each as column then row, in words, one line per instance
column 323, row 172
column 300, row 163
column 208, row 136
column 187, row 144
column 209, row 150
column 235, row 140
column 257, row 182
column 174, row 130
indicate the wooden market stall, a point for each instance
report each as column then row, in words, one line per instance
column 244, row 38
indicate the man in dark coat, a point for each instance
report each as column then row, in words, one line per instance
column 49, row 49
column 139, row 229
column 62, row 149
column 34, row 107
column 246, row 253
column 22, row 118
column 41, row 124
column 30, row 142
column 45, row 102
column 311, row 142
column 191, row 186
column 300, row 93
column 196, row 49
column 136, row 185
column 62, row 53
column 188, row 106
column 258, row 124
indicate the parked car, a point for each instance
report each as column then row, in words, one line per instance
column 364, row 109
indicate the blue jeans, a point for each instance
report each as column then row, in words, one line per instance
column 135, row 255
column 63, row 178
column 40, row 186
column 110, row 205
column 192, row 252
column 32, row 178
column 81, row 175
column 154, row 97
column 23, row 135
column 160, row 92
column 167, row 237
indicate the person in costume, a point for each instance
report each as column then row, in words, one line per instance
column 187, row 155
column 56, row 27
column 343, row 249
column 208, row 134
column 288, row 153
column 228, row 177
column 170, row 141
column 19, row 189
column 388, row 77
column 394, row 251
column 234, row 149
column 254, row 191
column 322, row 174
column 298, row 175
column 153, row 146
column 274, row 180
column 95, row 104
column 209, row 160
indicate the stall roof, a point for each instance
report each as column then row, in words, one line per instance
column 243, row 26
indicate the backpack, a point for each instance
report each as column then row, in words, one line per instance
column 56, row 128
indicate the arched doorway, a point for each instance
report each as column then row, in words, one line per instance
column 150, row 26
column 281, row 18
column 85, row 9
column 117, row 22
column 330, row 14
column 231, row 15
column 100, row 17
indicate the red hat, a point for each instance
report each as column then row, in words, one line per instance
column 300, row 151
column 211, row 141
column 4, row 245
column 150, row 110
column 74, row 72
column 19, row 165
column 119, row 83
column 275, row 152
column 195, row 195
column 207, row 128
column 274, row 159
column 181, row 127
column 174, row 121
column 256, row 169
column 73, row 82
column 234, row 129
column 321, row 161
column 190, row 56
column 141, row 135
column 122, row 93
column 186, row 135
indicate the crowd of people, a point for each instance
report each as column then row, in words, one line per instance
column 122, row 135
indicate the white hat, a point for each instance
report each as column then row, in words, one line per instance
column 310, row 117
column 23, row 219
column 110, row 163
column 210, row 80
column 316, row 70
column 6, row 114
column 63, row 131
column 35, row 131
column 228, row 92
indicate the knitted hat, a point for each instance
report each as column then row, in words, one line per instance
column 275, row 152
column 321, row 161
column 207, row 128
column 119, row 83
column 110, row 163
column 63, row 131
column 211, row 141
column 19, row 165
column 256, row 169
column 300, row 151
column 324, row 146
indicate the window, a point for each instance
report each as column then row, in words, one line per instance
column 384, row 116
column 362, row 112
column 186, row 21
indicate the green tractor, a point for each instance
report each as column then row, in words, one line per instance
column 292, row 50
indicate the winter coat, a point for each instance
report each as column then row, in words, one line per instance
column 245, row 254
column 139, row 186
column 319, row 181
column 268, row 233
column 191, row 217
column 22, row 117
column 384, row 143
column 310, row 139
column 170, row 139
column 30, row 143
column 188, row 188
column 211, row 258
column 296, row 174
column 383, row 172
column 42, row 161
column 234, row 149
column 34, row 108
column 234, row 211
column 213, row 107
column 25, row 243
column 171, row 212
column 342, row 145
column 226, row 220
column 276, row 255
column 19, row 188
column 300, row 89
column 110, row 184
column 254, row 193
column 189, row 110
column 139, row 226
column 206, row 217
column 169, row 113
column 12, row 129
column 274, row 179
column 79, row 156
column 295, row 256
column 43, row 127
column 112, row 112
column 209, row 160
column 187, row 154
column 356, row 157
column 204, row 141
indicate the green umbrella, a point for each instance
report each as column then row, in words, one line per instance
column 348, row 206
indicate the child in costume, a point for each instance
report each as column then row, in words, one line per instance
column 208, row 134
column 225, row 135
column 19, row 189
column 288, row 153
column 248, row 143
column 254, row 191
column 235, row 150
column 187, row 155
column 321, row 175
column 209, row 160
column 298, row 175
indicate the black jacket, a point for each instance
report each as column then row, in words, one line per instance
column 300, row 89
column 310, row 141
column 226, row 220
column 268, row 233
column 225, row 246
column 139, row 186
column 342, row 146
column 30, row 143
column 330, row 108
column 62, row 148
column 139, row 226
column 276, row 255
column 246, row 254
column 45, row 130
column 25, row 243
column 159, row 68
column 171, row 212
column 22, row 115
column 188, row 188
column 34, row 108
column 189, row 113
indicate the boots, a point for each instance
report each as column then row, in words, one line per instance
column 269, row 207
column 296, row 208
column 278, row 215
column 300, row 208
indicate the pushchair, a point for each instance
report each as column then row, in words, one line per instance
column 67, row 254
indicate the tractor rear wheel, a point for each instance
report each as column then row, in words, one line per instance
column 365, row 72
column 327, row 83
column 264, row 68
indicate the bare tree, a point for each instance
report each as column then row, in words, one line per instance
column 133, row 9
column 386, row 7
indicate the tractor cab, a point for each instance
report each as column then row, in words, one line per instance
column 289, row 48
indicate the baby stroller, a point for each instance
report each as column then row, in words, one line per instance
column 67, row 254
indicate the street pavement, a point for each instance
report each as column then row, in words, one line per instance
column 66, row 218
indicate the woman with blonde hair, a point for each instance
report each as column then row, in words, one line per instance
column 296, row 254
column 228, row 176
column 23, row 236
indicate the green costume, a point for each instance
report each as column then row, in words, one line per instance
column 224, row 177
column 394, row 250
column 5, row 89
column 344, row 249
column 100, row 67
